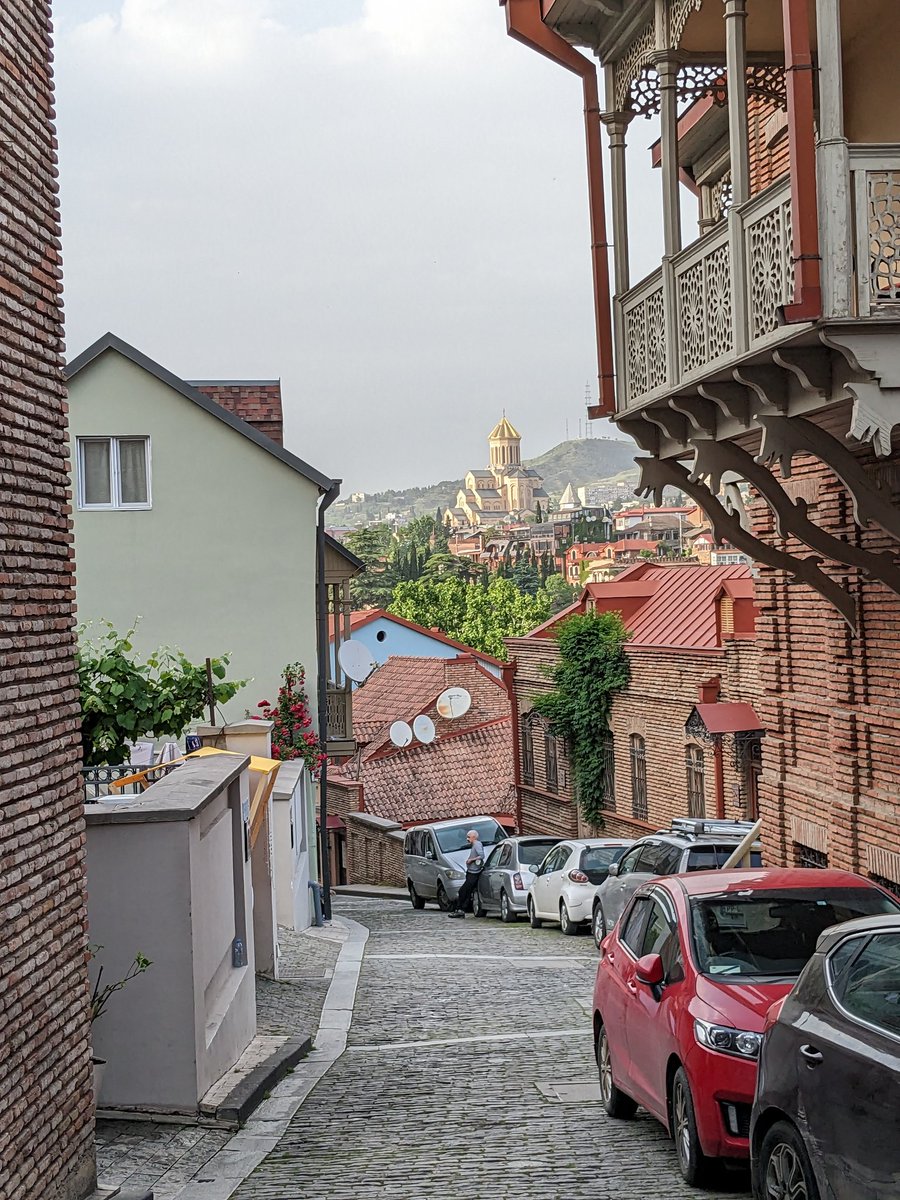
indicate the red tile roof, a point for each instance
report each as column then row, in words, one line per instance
column 397, row 691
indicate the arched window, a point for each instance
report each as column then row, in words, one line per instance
column 693, row 757
column 638, row 752
column 551, row 761
column 527, row 749
column 608, row 746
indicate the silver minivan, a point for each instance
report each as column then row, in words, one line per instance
column 434, row 857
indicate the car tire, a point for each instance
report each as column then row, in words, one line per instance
column 442, row 898
column 695, row 1167
column 566, row 924
column 415, row 899
column 784, row 1166
column 507, row 914
column 478, row 908
column 534, row 921
column 615, row 1102
column 598, row 925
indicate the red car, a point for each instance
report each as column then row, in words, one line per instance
column 683, row 987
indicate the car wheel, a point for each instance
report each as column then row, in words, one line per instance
column 692, row 1162
column 478, row 908
column 415, row 899
column 785, row 1171
column 506, row 911
column 616, row 1103
column 566, row 924
column 442, row 898
column 598, row 925
column 536, row 921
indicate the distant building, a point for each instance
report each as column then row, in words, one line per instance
column 386, row 635
column 506, row 489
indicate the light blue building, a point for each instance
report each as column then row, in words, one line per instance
column 386, row 636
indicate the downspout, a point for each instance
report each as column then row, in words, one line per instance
column 328, row 498
column 508, row 671
column 798, row 66
column 524, row 23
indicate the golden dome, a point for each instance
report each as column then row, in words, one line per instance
column 503, row 431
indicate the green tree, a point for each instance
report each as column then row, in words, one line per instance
column 441, row 565
column 439, row 603
column 500, row 611
column 526, row 577
column 559, row 593
column 592, row 668
column 538, row 514
column 375, row 545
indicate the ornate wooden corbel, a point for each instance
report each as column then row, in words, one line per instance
column 657, row 473
column 769, row 384
column 700, row 413
column 811, row 368
column 645, row 434
column 732, row 398
column 673, row 424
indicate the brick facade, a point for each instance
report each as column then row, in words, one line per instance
column 46, row 1127
column 831, row 765
column 374, row 851
column 259, row 404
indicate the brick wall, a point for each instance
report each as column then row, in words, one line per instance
column 46, row 1126
column 259, row 404
column 831, row 767
column 374, row 851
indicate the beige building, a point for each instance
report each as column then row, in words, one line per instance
column 506, row 489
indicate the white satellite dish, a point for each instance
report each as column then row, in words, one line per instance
column 401, row 734
column 356, row 661
column 423, row 728
column 454, row 702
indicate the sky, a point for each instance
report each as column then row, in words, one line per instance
column 381, row 202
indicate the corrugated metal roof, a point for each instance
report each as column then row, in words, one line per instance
column 728, row 718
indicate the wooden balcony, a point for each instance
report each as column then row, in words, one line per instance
column 339, row 713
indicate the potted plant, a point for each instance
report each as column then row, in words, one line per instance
column 100, row 997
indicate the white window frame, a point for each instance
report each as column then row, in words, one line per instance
column 115, row 475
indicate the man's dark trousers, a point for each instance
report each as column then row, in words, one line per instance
column 467, row 890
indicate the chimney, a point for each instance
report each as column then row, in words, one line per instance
column 709, row 691
column 256, row 402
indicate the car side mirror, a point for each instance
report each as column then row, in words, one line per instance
column 650, row 970
column 612, row 870
column 429, row 855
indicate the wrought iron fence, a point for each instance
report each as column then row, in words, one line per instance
column 97, row 780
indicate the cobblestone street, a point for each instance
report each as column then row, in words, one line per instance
column 468, row 1074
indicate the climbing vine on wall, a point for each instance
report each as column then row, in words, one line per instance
column 592, row 668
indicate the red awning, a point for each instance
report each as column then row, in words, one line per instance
column 335, row 823
column 729, row 718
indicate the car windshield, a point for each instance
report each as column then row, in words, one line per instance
column 707, row 858
column 453, row 838
column 596, row 859
column 773, row 933
column 532, row 854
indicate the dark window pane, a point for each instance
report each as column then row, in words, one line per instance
column 595, row 861
column 453, row 838
column 870, row 987
column 638, row 753
column 633, row 929
column 693, row 757
column 532, row 854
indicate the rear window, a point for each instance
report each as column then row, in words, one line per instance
column 773, row 933
column 453, row 838
column 707, row 858
column 532, row 854
column 596, row 859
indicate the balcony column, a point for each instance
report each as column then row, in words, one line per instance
column 736, row 68
column 616, row 127
column 834, row 164
column 667, row 69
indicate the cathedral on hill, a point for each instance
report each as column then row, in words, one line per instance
column 505, row 490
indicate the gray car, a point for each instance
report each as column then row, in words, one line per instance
column 508, row 874
column 689, row 845
column 434, row 857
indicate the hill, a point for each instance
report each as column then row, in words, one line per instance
column 580, row 462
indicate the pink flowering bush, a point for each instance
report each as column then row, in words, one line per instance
column 293, row 735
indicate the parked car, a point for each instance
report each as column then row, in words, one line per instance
column 689, row 845
column 508, row 874
column 684, row 985
column 565, row 882
column 434, row 857
column 824, row 1123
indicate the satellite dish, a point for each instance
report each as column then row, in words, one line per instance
column 356, row 661
column 454, row 702
column 423, row 728
column 401, row 734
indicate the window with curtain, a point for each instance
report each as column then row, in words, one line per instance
column 527, row 750
column 693, row 756
column 638, row 752
column 552, row 762
column 114, row 472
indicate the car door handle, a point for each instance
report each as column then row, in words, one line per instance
column 812, row 1055
column 632, row 987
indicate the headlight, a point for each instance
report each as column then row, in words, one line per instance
column 727, row 1040
column 456, row 874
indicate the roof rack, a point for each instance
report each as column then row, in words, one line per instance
column 698, row 827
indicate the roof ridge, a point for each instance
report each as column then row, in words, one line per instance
column 392, row 751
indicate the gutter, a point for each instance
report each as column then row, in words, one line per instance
column 524, row 22
column 328, row 498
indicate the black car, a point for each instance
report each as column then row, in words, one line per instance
column 826, row 1120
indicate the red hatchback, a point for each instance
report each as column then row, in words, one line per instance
column 683, row 987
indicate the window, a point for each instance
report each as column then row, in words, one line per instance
column 693, row 757
column 638, row 777
column 632, row 934
column 661, row 937
column 628, row 861
column 608, row 746
column 452, row 838
column 550, row 759
column 708, row 858
column 556, row 859
column 114, row 472
column 532, row 854
column 889, row 885
column 527, row 750
column 494, row 858
column 806, row 856
column 595, row 861
column 869, row 987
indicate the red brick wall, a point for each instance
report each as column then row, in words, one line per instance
column 46, row 1126
column 259, row 404
column 831, row 767
column 374, row 856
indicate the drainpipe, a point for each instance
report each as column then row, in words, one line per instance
column 524, row 23
column 798, row 66
column 508, row 672
column 328, row 498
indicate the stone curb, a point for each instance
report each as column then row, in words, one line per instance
column 371, row 892
column 246, row 1095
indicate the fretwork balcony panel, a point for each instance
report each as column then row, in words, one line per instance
column 875, row 174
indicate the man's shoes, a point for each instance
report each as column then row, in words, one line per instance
column 459, row 915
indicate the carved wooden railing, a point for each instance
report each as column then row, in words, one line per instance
column 339, row 713
column 875, row 183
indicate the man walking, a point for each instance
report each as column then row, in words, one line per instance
column 474, row 867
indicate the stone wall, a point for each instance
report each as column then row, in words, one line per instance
column 374, row 850
column 46, row 1126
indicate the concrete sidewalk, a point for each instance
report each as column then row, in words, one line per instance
column 371, row 891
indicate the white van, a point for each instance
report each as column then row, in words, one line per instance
column 435, row 856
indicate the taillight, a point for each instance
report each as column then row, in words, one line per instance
column 517, row 882
column 578, row 877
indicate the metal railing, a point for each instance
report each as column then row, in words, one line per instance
column 97, row 780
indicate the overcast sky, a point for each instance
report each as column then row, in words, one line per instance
column 383, row 202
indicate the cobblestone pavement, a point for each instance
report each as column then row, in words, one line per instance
column 461, row 1032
